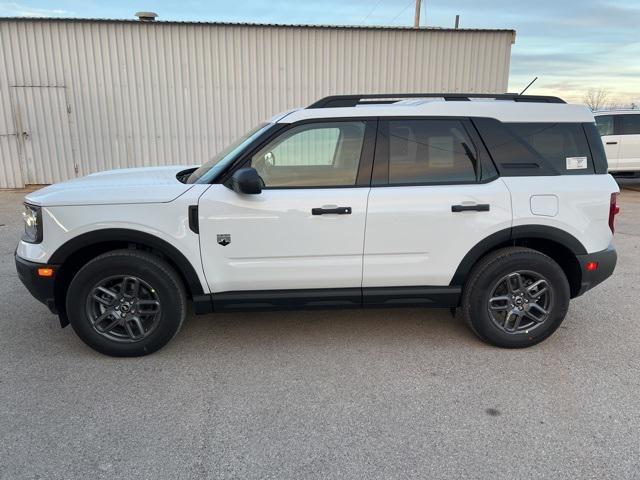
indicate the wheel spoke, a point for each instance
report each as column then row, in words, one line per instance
column 499, row 303
column 536, row 313
column 103, row 301
column 514, row 282
column 134, row 327
column 100, row 294
column 507, row 319
column 148, row 306
column 130, row 287
column 516, row 324
column 110, row 325
column 536, row 289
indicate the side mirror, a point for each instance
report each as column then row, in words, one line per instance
column 247, row 181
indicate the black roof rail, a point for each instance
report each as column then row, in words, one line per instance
column 382, row 98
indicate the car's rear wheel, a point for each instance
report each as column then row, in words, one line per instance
column 515, row 297
column 126, row 303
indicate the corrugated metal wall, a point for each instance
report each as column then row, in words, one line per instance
column 175, row 93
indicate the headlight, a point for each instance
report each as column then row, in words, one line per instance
column 32, row 217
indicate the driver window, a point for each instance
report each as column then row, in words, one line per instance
column 312, row 155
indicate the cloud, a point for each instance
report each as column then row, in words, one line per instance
column 13, row 9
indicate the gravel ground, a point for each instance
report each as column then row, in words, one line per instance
column 406, row 393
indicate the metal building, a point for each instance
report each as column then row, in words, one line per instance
column 78, row 96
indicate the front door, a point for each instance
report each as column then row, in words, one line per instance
column 306, row 229
column 44, row 134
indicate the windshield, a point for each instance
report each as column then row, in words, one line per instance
column 208, row 171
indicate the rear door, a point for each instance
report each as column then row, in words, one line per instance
column 306, row 229
column 629, row 156
column 434, row 196
column 610, row 140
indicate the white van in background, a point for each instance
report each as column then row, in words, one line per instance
column 620, row 132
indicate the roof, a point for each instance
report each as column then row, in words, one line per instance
column 354, row 100
column 249, row 24
column 503, row 110
column 616, row 111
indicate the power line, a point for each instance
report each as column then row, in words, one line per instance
column 372, row 10
column 424, row 7
column 401, row 12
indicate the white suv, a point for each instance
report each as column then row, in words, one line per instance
column 620, row 132
column 498, row 204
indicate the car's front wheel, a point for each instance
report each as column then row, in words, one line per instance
column 515, row 297
column 126, row 303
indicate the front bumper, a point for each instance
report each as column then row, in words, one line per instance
column 42, row 288
column 606, row 260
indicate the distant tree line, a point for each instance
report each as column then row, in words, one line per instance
column 600, row 99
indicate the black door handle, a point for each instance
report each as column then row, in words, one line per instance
column 480, row 207
column 612, row 143
column 336, row 211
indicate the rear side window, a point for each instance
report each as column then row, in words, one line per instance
column 429, row 151
column 604, row 124
column 527, row 149
column 630, row 124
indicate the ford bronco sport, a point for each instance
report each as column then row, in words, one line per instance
column 499, row 205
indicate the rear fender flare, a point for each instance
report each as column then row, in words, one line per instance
column 509, row 236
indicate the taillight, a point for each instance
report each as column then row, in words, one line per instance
column 614, row 209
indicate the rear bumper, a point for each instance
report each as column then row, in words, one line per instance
column 606, row 260
column 42, row 288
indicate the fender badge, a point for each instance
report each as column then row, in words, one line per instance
column 224, row 239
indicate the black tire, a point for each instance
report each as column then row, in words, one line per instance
column 155, row 283
column 501, row 271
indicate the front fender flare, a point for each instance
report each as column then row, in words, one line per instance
column 130, row 236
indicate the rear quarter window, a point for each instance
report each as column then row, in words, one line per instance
column 528, row 149
column 630, row 124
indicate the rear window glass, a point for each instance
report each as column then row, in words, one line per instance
column 537, row 148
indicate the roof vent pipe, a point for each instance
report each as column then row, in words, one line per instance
column 146, row 16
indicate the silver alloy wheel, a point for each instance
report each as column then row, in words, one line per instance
column 520, row 302
column 123, row 308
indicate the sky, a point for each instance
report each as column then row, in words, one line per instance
column 571, row 45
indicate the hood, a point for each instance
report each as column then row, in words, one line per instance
column 123, row 186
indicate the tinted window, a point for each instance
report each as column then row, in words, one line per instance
column 600, row 163
column 429, row 151
column 312, row 155
column 537, row 148
column 605, row 125
column 630, row 124
column 557, row 143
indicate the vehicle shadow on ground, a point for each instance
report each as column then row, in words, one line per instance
column 353, row 328
column 629, row 183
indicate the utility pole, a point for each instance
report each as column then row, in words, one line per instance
column 416, row 18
